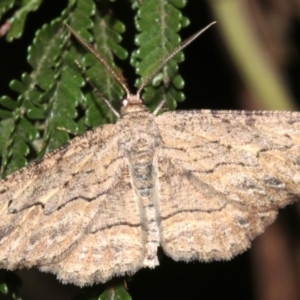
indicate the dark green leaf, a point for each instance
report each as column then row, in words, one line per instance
column 5, row 5
column 8, row 102
column 155, row 43
column 19, row 18
column 5, row 132
column 107, row 39
column 3, row 288
column 115, row 293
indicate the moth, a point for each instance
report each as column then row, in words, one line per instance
column 201, row 184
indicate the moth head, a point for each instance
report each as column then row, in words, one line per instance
column 131, row 104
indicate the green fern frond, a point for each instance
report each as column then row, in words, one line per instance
column 159, row 22
column 15, row 134
column 48, row 96
column 29, row 106
column 80, row 18
column 118, row 292
column 107, row 32
column 19, row 18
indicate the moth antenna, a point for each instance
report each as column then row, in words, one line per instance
column 89, row 47
column 170, row 56
column 96, row 91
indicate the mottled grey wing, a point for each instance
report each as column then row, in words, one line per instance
column 68, row 213
column 223, row 175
